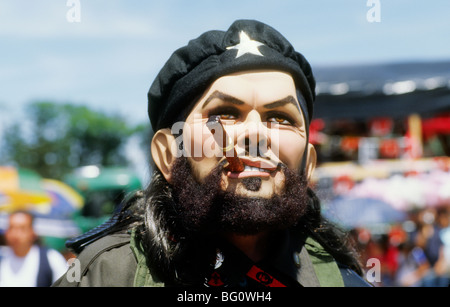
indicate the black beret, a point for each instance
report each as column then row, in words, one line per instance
column 247, row 45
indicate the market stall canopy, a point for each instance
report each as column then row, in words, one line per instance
column 393, row 90
column 51, row 201
column 407, row 193
column 64, row 199
column 362, row 212
column 21, row 189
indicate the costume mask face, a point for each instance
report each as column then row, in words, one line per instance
column 262, row 117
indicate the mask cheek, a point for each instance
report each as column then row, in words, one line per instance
column 289, row 148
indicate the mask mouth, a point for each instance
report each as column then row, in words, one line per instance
column 253, row 182
column 234, row 164
column 252, row 169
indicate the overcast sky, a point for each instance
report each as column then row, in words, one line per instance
column 109, row 59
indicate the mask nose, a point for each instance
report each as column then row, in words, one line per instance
column 253, row 138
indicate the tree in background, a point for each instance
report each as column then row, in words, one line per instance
column 55, row 138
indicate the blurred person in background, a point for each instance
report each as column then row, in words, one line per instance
column 26, row 264
column 443, row 223
column 413, row 265
column 427, row 237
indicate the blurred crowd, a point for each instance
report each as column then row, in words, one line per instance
column 415, row 253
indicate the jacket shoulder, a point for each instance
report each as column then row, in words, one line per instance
column 107, row 262
column 351, row 279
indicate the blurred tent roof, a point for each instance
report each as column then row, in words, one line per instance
column 95, row 178
column 394, row 90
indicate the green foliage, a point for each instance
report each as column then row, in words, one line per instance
column 55, row 138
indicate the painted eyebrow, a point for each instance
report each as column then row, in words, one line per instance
column 228, row 98
column 223, row 97
column 282, row 102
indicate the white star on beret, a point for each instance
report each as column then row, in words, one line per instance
column 246, row 45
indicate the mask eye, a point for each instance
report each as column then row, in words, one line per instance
column 279, row 120
column 227, row 117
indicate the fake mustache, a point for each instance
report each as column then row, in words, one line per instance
column 231, row 161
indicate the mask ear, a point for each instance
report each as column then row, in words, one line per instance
column 311, row 161
column 164, row 151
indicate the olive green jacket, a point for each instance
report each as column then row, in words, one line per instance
column 115, row 261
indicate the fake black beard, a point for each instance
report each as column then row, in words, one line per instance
column 206, row 208
column 179, row 225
